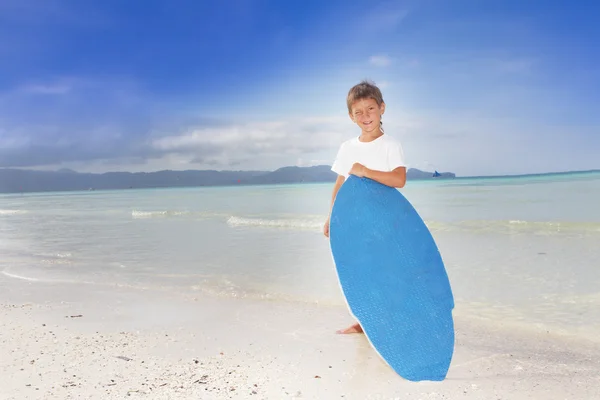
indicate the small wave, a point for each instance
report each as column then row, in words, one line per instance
column 55, row 255
column 154, row 214
column 516, row 227
column 56, row 262
column 54, row 280
column 62, row 255
column 176, row 213
column 309, row 224
column 315, row 223
column 12, row 212
column 21, row 277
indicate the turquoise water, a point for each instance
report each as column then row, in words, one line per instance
column 518, row 250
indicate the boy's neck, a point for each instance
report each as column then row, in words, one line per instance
column 369, row 137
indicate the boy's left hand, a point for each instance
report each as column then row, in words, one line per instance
column 359, row 170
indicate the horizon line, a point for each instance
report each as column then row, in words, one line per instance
column 295, row 166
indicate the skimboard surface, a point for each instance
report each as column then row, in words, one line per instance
column 393, row 278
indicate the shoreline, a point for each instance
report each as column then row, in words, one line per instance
column 62, row 341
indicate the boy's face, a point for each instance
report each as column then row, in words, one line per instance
column 366, row 113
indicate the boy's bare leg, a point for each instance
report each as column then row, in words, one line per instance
column 356, row 328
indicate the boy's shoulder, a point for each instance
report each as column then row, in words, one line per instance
column 390, row 138
column 348, row 143
column 390, row 141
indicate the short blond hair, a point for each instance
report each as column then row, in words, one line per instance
column 364, row 90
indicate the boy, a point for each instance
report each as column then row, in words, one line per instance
column 371, row 155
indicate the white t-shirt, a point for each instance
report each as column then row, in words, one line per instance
column 382, row 154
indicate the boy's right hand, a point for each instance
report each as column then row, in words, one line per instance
column 326, row 228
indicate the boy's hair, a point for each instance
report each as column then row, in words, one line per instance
column 364, row 90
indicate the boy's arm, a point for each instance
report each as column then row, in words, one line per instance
column 336, row 187
column 395, row 178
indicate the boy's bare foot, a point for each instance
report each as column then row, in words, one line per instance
column 356, row 328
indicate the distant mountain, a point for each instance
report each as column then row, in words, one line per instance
column 18, row 180
column 320, row 173
column 66, row 171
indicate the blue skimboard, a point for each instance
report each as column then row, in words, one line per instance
column 393, row 278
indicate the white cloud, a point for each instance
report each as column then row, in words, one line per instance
column 380, row 60
column 463, row 143
column 280, row 141
column 46, row 89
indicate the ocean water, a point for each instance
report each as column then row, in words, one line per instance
column 522, row 251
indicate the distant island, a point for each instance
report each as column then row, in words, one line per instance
column 23, row 181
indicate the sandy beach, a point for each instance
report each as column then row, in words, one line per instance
column 97, row 303
column 61, row 341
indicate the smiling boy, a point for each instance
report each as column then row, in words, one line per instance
column 371, row 155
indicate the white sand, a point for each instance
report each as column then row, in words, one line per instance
column 137, row 344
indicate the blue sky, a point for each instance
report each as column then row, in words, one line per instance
column 471, row 87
